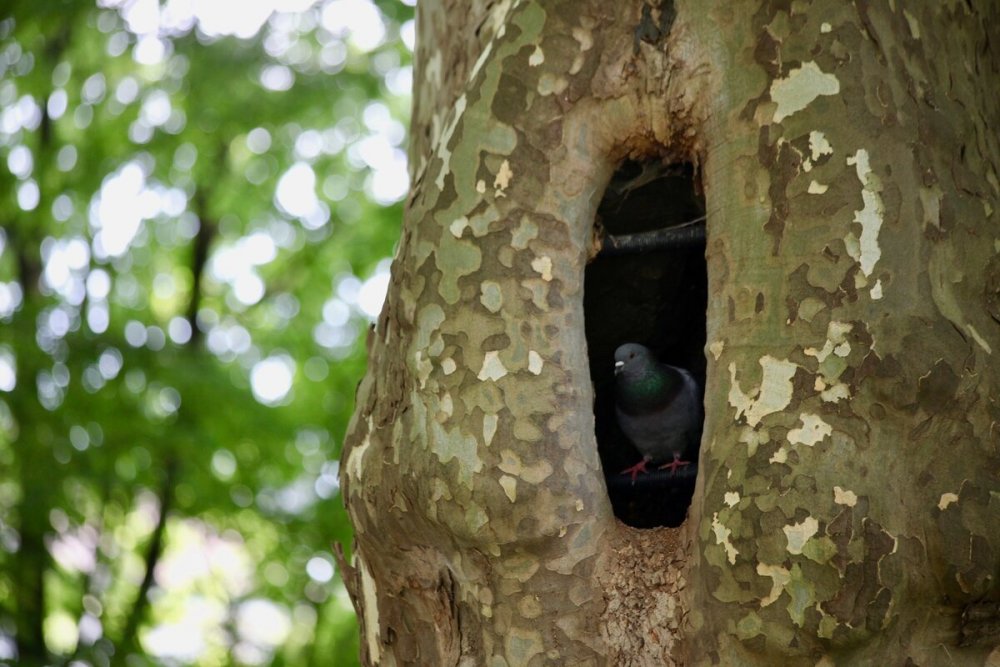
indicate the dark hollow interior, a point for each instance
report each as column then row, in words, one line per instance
column 657, row 298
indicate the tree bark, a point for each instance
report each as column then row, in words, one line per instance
column 847, row 507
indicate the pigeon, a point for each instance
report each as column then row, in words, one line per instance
column 658, row 407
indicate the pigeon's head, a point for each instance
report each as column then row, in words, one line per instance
column 632, row 355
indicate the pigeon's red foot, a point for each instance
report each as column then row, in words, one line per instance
column 636, row 469
column 675, row 464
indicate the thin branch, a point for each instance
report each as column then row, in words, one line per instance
column 690, row 234
column 153, row 553
column 199, row 259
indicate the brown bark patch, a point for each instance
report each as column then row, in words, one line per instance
column 643, row 576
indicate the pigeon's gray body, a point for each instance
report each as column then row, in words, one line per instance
column 658, row 406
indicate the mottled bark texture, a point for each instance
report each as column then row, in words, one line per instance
column 849, row 491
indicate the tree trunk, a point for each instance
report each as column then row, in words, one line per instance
column 847, row 503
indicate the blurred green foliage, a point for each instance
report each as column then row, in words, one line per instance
column 197, row 200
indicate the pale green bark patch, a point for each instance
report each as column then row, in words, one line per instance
column 802, row 593
column 799, row 89
column 813, row 430
column 491, row 296
column 455, row 259
column 526, row 231
column 512, row 464
column 453, row 444
column 523, row 645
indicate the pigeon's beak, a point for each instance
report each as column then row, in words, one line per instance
column 618, row 367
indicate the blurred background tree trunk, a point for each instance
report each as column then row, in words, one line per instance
column 847, row 509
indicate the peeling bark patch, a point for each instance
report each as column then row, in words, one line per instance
column 731, row 498
column 865, row 249
column 443, row 151
column 844, row 497
column 836, row 340
column 753, row 438
column 779, row 579
column 716, row 347
column 458, row 226
column 502, row 180
column 509, row 485
column 543, row 266
column 535, row 363
column 493, row 368
column 813, row 430
column 773, row 395
column 976, row 336
column 722, row 538
column 946, row 500
column 537, row 57
column 799, row 89
column 370, row 595
column 817, row 188
column 798, row 534
column 585, row 38
column 818, row 145
column 831, row 356
column 356, row 459
column 489, row 428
